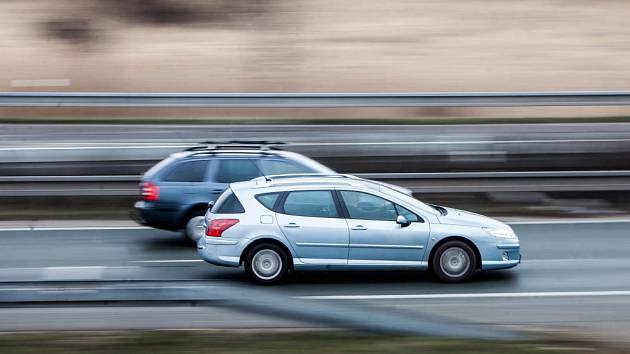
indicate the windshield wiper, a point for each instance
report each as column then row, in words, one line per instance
column 439, row 208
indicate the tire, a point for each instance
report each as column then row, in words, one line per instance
column 267, row 264
column 194, row 229
column 454, row 262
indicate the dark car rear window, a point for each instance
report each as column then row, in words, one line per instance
column 228, row 203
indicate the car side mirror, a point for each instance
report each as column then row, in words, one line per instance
column 402, row 221
column 210, row 204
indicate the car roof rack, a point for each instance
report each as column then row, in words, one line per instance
column 301, row 175
column 237, row 144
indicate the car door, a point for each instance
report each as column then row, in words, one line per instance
column 376, row 238
column 230, row 170
column 313, row 224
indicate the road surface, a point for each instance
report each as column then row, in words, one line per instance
column 573, row 275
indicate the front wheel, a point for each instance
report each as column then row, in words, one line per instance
column 454, row 262
column 266, row 264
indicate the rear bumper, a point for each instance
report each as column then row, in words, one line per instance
column 219, row 251
column 151, row 215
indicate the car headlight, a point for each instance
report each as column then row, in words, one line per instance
column 501, row 233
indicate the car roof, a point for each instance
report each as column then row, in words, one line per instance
column 252, row 153
column 282, row 183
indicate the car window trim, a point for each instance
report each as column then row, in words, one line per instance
column 347, row 213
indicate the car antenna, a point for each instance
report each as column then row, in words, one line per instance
column 267, row 179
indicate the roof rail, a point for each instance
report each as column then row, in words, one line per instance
column 237, row 144
column 298, row 175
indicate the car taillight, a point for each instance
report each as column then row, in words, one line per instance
column 150, row 192
column 217, row 226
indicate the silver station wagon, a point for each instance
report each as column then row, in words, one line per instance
column 274, row 225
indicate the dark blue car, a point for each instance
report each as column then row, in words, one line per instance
column 177, row 190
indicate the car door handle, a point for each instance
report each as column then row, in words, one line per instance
column 292, row 224
column 217, row 190
column 359, row 227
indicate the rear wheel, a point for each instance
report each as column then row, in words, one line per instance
column 194, row 226
column 454, row 261
column 267, row 264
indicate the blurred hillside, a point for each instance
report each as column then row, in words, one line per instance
column 323, row 45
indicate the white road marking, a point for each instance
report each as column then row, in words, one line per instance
column 470, row 295
column 75, row 267
column 568, row 221
column 77, row 228
column 171, row 261
column 138, row 227
column 70, row 289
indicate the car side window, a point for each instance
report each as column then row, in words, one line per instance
column 228, row 203
column 368, row 207
column 236, row 170
column 409, row 215
column 268, row 199
column 231, row 205
column 318, row 204
column 188, row 171
column 282, row 167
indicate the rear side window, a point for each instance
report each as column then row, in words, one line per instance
column 268, row 199
column 282, row 167
column 237, row 170
column 189, row 171
column 319, row 204
column 158, row 167
column 228, row 203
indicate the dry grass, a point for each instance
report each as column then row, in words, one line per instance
column 321, row 45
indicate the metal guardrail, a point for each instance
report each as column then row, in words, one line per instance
column 314, row 100
column 467, row 182
column 377, row 176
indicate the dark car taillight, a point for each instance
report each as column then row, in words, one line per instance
column 218, row 226
column 150, row 192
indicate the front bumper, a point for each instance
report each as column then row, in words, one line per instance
column 219, row 251
column 502, row 256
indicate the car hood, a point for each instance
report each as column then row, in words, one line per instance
column 466, row 218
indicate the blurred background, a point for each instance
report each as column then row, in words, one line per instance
column 314, row 46
column 560, row 175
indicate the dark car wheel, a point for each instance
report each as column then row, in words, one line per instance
column 454, row 261
column 194, row 229
column 267, row 264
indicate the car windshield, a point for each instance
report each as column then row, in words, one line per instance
column 405, row 197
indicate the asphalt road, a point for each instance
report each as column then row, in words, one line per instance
column 573, row 275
